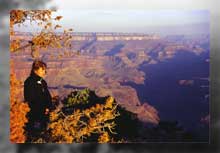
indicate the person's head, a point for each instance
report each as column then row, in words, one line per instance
column 39, row 68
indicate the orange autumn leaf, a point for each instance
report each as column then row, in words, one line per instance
column 57, row 26
column 58, row 18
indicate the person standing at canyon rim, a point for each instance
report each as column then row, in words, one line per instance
column 38, row 97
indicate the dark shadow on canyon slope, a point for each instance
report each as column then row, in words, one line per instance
column 183, row 103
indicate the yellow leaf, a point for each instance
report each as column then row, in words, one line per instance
column 49, row 24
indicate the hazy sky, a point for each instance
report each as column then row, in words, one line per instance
column 140, row 21
column 211, row 5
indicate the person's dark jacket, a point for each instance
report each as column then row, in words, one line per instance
column 38, row 97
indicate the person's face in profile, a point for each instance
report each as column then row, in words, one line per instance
column 41, row 72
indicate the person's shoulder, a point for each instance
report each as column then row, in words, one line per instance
column 28, row 80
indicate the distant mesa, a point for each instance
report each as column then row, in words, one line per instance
column 113, row 36
column 105, row 36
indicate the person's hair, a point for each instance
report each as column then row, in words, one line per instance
column 38, row 64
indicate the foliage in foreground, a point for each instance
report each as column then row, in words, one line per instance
column 102, row 120
column 85, row 117
column 42, row 40
column 18, row 111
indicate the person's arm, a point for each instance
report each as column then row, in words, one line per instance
column 49, row 104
